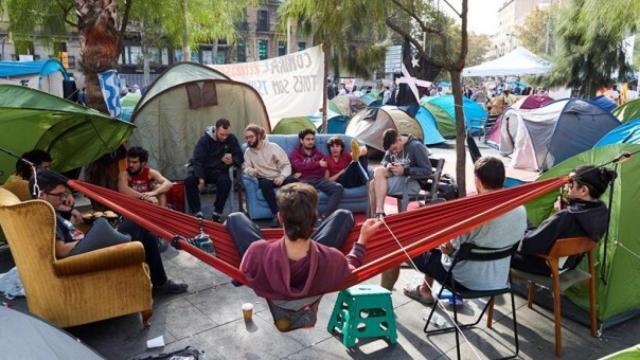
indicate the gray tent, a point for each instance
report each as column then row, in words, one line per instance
column 369, row 124
column 540, row 138
column 23, row 336
column 181, row 103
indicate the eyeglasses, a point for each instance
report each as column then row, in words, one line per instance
column 61, row 195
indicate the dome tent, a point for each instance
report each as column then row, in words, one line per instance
column 525, row 103
column 541, row 138
column 369, row 124
column 293, row 125
column 178, row 106
column 628, row 133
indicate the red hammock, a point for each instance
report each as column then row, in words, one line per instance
column 418, row 231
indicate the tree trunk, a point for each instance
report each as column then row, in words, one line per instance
column 99, row 43
column 146, row 68
column 186, row 51
column 325, row 74
column 461, row 155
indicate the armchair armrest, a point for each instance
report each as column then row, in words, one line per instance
column 102, row 259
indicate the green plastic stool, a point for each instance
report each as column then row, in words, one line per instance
column 363, row 311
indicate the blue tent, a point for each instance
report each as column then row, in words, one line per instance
column 604, row 102
column 627, row 133
column 9, row 69
column 474, row 114
column 427, row 122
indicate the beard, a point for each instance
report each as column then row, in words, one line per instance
column 131, row 172
column 253, row 145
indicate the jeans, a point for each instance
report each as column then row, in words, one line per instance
column 332, row 189
column 223, row 187
column 268, row 191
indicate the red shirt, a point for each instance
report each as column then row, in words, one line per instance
column 334, row 166
column 140, row 182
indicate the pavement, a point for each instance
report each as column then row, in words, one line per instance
column 209, row 318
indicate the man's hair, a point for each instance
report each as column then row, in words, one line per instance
column 298, row 203
column 47, row 181
column 305, row 132
column 223, row 123
column 37, row 157
column 335, row 140
column 257, row 130
column 389, row 137
column 138, row 152
column 596, row 179
column 490, row 171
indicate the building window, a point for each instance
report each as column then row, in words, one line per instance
column 164, row 56
column 222, row 56
column 263, row 20
column 58, row 47
column 282, row 48
column 302, row 45
column 134, row 55
column 72, row 61
column 263, row 49
column 207, row 56
column 242, row 51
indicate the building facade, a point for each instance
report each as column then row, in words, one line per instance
column 512, row 14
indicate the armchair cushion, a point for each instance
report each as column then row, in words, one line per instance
column 111, row 257
column 353, row 199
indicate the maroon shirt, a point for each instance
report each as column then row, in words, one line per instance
column 334, row 166
column 307, row 165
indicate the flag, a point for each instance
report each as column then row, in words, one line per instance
column 110, row 86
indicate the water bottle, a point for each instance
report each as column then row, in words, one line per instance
column 202, row 240
column 450, row 298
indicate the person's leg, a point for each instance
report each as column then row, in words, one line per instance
column 433, row 269
column 101, row 235
column 530, row 263
column 242, row 230
column 269, row 194
column 380, row 175
column 354, row 176
column 151, row 251
column 390, row 277
column 193, row 195
column 223, row 187
column 333, row 190
column 334, row 229
column 289, row 179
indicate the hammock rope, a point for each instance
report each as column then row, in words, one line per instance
column 417, row 231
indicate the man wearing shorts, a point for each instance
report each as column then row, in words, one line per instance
column 404, row 155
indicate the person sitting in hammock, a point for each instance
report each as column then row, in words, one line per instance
column 141, row 181
column 293, row 272
column 583, row 215
column 347, row 168
column 501, row 233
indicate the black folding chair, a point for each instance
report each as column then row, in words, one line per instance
column 471, row 252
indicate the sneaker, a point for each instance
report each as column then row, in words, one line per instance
column 215, row 217
column 355, row 150
column 199, row 215
column 380, row 215
column 170, row 288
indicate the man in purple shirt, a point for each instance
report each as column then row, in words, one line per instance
column 309, row 165
column 293, row 272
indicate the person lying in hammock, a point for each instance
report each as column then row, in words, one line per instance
column 293, row 272
column 582, row 215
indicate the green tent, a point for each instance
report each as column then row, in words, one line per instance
column 619, row 298
column 627, row 111
column 445, row 126
column 292, row 125
column 74, row 135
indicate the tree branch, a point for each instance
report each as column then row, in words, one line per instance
column 414, row 16
column 464, row 41
column 412, row 40
column 123, row 26
column 454, row 9
column 65, row 13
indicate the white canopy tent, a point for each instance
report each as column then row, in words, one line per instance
column 516, row 63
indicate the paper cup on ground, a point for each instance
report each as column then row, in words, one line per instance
column 247, row 311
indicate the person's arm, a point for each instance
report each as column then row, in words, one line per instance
column 164, row 184
column 299, row 165
column 248, row 166
column 123, row 186
column 386, row 159
column 336, row 176
column 283, row 162
column 236, row 151
column 422, row 165
column 64, row 248
column 540, row 240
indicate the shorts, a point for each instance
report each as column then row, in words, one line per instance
column 396, row 184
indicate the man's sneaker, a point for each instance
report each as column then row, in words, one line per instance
column 199, row 215
column 215, row 217
column 170, row 288
column 380, row 216
column 355, row 150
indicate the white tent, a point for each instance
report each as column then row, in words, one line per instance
column 518, row 62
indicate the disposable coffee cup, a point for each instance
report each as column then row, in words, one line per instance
column 247, row 311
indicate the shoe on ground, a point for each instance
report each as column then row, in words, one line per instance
column 170, row 288
column 199, row 215
column 355, row 150
column 215, row 217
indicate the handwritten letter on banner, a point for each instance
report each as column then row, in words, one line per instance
column 290, row 85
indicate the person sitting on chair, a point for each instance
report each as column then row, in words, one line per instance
column 347, row 168
column 304, row 263
column 71, row 241
column 268, row 163
column 309, row 166
column 18, row 183
column 582, row 215
column 141, row 181
column 216, row 151
column 500, row 234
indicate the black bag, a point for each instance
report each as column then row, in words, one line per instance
column 448, row 189
column 185, row 354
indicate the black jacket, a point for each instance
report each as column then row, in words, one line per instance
column 580, row 218
column 208, row 153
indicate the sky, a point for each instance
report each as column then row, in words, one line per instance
column 482, row 16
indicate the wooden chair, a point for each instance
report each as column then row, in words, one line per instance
column 78, row 289
column 559, row 282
